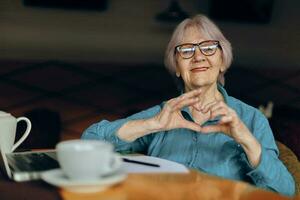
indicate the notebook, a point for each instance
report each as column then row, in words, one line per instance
column 25, row 166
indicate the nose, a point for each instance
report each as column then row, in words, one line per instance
column 198, row 55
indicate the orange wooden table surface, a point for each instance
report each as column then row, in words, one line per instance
column 194, row 185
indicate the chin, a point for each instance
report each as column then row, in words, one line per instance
column 202, row 83
column 197, row 82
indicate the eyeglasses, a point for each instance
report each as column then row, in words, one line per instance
column 207, row 48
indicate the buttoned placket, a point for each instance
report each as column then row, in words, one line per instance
column 186, row 114
column 195, row 154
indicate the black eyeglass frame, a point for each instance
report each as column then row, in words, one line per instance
column 176, row 50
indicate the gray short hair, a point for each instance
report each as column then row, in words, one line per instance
column 208, row 29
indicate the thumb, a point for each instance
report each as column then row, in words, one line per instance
column 193, row 126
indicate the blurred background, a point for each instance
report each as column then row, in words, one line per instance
column 69, row 63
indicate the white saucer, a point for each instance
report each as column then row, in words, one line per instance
column 57, row 178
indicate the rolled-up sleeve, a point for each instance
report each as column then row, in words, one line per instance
column 271, row 172
column 106, row 130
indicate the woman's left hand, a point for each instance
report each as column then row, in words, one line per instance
column 231, row 125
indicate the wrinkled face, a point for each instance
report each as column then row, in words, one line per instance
column 199, row 70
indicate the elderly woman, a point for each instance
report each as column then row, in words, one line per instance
column 204, row 128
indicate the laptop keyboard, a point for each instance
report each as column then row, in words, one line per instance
column 32, row 162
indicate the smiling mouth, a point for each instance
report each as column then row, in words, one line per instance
column 199, row 69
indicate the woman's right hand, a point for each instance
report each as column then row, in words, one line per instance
column 170, row 116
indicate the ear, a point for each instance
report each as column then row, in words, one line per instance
column 222, row 69
column 177, row 72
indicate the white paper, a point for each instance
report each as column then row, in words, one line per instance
column 165, row 166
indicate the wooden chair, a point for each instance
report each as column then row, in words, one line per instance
column 292, row 163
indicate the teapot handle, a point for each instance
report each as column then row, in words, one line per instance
column 24, row 136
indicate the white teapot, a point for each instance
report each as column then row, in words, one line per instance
column 8, row 125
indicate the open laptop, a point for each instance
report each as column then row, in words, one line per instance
column 25, row 166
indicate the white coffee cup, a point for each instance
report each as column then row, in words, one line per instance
column 8, row 125
column 87, row 159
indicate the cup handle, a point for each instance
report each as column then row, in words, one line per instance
column 24, row 136
column 116, row 163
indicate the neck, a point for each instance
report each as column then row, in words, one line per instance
column 209, row 93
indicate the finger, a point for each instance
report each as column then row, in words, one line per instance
column 174, row 101
column 170, row 104
column 193, row 126
column 189, row 95
column 197, row 106
column 186, row 102
column 207, row 107
column 193, row 93
column 221, row 111
column 217, row 109
column 219, row 104
column 225, row 119
column 235, row 117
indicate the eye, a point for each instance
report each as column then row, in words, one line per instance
column 186, row 50
column 209, row 49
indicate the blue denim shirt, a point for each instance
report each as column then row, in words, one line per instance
column 214, row 153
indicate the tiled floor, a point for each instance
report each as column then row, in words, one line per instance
column 84, row 93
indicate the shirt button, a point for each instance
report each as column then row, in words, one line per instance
column 195, row 138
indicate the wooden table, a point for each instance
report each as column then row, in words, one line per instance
column 194, row 185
